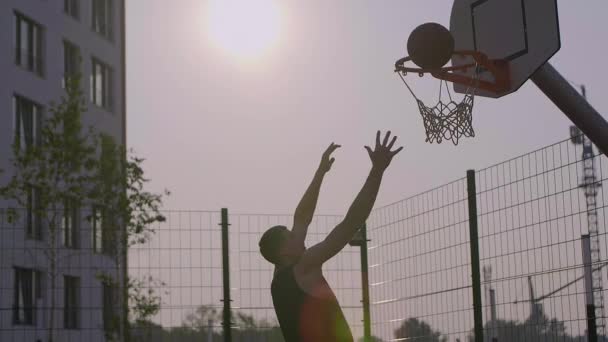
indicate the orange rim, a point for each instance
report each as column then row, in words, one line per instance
column 497, row 67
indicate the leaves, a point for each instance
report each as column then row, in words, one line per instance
column 418, row 330
column 90, row 168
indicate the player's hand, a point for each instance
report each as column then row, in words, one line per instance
column 382, row 155
column 326, row 160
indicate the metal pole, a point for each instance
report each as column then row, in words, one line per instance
column 474, row 244
column 576, row 108
column 226, row 322
column 589, row 300
column 367, row 328
column 360, row 240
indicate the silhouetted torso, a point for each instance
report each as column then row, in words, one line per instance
column 304, row 317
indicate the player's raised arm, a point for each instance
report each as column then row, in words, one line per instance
column 306, row 208
column 360, row 209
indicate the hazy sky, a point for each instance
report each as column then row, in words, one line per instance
column 220, row 131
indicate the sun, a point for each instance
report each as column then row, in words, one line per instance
column 245, row 29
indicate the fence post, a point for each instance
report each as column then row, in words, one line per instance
column 367, row 326
column 227, row 320
column 474, row 244
column 360, row 240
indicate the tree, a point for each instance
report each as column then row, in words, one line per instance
column 246, row 327
column 61, row 171
column 51, row 175
column 537, row 327
column 419, row 330
column 122, row 200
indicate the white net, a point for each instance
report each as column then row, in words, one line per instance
column 448, row 119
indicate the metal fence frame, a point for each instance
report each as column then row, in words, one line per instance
column 414, row 260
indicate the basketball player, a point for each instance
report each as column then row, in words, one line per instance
column 306, row 306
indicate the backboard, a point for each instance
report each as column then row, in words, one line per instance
column 525, row 33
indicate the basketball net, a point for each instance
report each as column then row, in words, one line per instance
column 448, row 119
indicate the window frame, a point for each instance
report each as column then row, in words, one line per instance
column 35, row 287
column 97, row 224
column 109, row 312
column 33, row 215
column 19, row 131
column 103, row 23
column 72, row 61
column 71, row 302
column 34, row 41
column 107, row 84
column 72, row 8
column 102, row 237
column 70, row 224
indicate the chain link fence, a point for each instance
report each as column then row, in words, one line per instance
column 534, row 270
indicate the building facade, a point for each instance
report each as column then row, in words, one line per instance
column 42, row 42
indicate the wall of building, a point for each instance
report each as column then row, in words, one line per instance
column 15, row 249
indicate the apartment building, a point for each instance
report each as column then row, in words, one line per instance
column 44, row 41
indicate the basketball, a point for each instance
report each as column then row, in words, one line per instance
column 430, row 46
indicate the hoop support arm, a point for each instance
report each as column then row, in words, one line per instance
column 574, row 106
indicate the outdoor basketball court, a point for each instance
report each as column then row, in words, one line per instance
column 510, row 252
column 514, row 250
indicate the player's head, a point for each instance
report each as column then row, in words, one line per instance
column 272, row 242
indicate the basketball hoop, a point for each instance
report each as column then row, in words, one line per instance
column 450, row 119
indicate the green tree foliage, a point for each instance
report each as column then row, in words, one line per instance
column 537, row 327
column 196, row 328
column 418, row 330
column 68, row 164
column 58, row 167
column 119, row 194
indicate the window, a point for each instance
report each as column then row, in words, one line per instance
column 72, row 8
column 97, row 226
column 26, row 122
column 102, row 17
column 102, row 236
column 28, row 44
column 71, row 61
column 109, row 309
column 70, row 223
column 33, row 215
column 71, row 302
column 27, row 292
column 101, row 85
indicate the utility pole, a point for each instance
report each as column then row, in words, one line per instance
column 590, row 185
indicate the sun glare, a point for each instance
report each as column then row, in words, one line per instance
column 245, row 29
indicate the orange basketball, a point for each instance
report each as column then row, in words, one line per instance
column 430, row 46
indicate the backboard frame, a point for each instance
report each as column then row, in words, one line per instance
column 507, row 30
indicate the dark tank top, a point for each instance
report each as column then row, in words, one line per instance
column 306, row 318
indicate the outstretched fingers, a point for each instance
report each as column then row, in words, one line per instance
column 396, row 151
column 388, row 134
column 392, row 142
column 332, row 147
